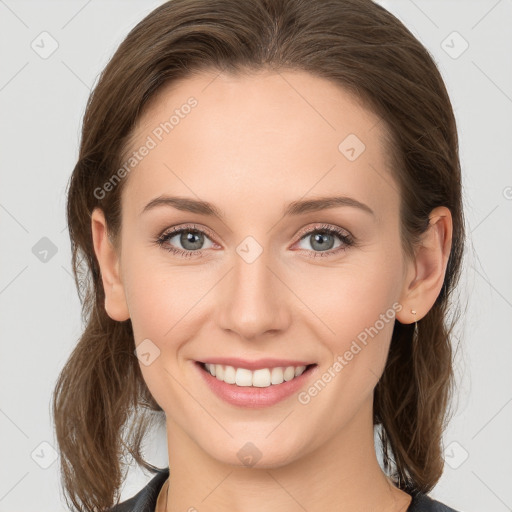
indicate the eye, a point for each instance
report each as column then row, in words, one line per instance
column 190, row 238
column 321, row 239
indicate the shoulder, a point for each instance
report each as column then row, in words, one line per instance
column 145, row 499
column 424, row 503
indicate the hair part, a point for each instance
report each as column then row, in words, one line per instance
column 101, row 404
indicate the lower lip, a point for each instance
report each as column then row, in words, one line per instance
column 254, row 397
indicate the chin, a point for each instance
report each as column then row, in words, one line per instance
column 258, row 453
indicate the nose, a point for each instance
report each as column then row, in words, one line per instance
column 252, row 300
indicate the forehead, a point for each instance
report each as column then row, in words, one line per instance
column 261, row 135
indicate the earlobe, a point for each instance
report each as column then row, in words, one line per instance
column 108, row 260
column 426, row 275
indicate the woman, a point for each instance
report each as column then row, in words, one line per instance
column 267, row 212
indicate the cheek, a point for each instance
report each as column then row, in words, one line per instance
column 355, row 310
column 168, row 307
column 349, row 299
column 158, row 294
column 361, row 313
column 160, row 304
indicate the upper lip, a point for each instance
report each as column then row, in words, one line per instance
column 256, row 364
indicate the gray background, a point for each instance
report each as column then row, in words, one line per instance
column 42, row 100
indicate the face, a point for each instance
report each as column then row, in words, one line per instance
column 266, row 272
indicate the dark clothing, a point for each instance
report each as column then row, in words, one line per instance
column 145, row 499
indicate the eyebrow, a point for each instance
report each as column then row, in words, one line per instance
column 293, row 209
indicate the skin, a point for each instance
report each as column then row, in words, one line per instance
column 253, row 144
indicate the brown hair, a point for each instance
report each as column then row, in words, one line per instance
column 101, row 404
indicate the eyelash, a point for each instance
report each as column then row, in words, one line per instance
column 347, row 240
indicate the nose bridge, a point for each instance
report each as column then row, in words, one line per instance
column 254, row 302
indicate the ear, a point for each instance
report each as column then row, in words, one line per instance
column 108, row 259
column 425, row 274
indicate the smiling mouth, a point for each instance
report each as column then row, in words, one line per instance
column 261, row 378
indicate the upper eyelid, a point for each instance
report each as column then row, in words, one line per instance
column 324, row 227
column 178, row 229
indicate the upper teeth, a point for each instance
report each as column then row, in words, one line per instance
column 261, row 378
